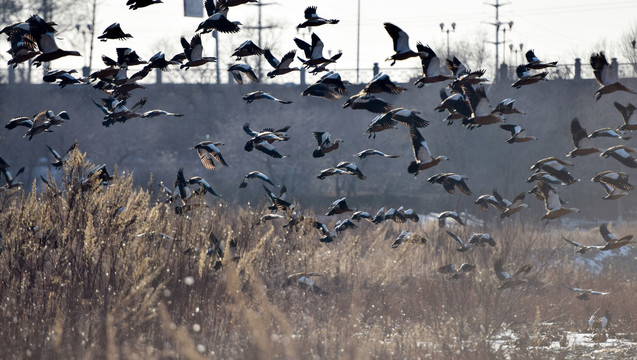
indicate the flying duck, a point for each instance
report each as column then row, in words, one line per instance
column 338, row 207
column 456, row 105
column 479, row 103
column 116, row 110
column 456, row 272
column 64, row 76
column 136, row 4
column 217, row 19
column 158, row 112
column 278, row 202
column 525, row 77
column 352, row 168
column 247, row 48
column 584, row 294
column 114, row 32
column 488, row 199
column 208, row 152
column 280, row 67
column 242, row 69
column 257, row 95
column 380, row 216
column 509, row 281
column 506, row 107
column 581, row 249
column 304, row 281
column 321, row 90
column 270, row 135
column 515, row 206
column 408, row 117
column 369, row 102
column 442, row 218
column 608, row 132
column 407, row 236
column 422, row 154
column 581, row 141
column 59, row 159
column 612, row 242
column 314, row 52
column 158, row 61
column 332, row 171
column 462, row 74
column 401, row 44
column 535, row 63
column 463, row 247
column 555, row 167
column 451, row 181
column 613, row 193
column 312, row 19
column 430, row 67
column 613, row 182
column 481, row 239
column 327, row 236
column 552, row 203
column 369, row 152
column 126, row 56
column 358, row 215
column 409, row 214
column 10, row 181
column 44, row 35
column 544, row 177
column 255, row 174
column 193, row 52
column 394, row 215
column 627, row 112
column 382, row 83
column 41, row 123
column 606, row 76
column 23, row 46
column 325, row 143
column 204, row 186
column 517, row 133
column 267, row 217
column 380, row 123
column 330, row 86
column 341, row 226
column 622, row 154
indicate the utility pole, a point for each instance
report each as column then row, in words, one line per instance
column 358, row 40
column 497, row 25
column 215, row 35
column 259, row 27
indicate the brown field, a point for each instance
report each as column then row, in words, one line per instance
column 85, row 273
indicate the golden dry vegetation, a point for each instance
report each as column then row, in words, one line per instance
column 91, row 271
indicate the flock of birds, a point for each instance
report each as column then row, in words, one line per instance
column 463, row 99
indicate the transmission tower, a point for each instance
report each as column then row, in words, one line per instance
column 259, row 27
column 497, row 25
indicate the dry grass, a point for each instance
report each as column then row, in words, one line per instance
column 86, row 273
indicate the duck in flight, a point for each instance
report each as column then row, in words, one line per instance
column 194, row 53
column 401, row 44
column 606, row 76
column 581, row 141
column 423, row 157
column 312, row 19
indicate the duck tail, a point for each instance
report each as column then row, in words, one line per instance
column 318, row 153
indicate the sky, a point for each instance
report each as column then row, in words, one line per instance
column 556, row 30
